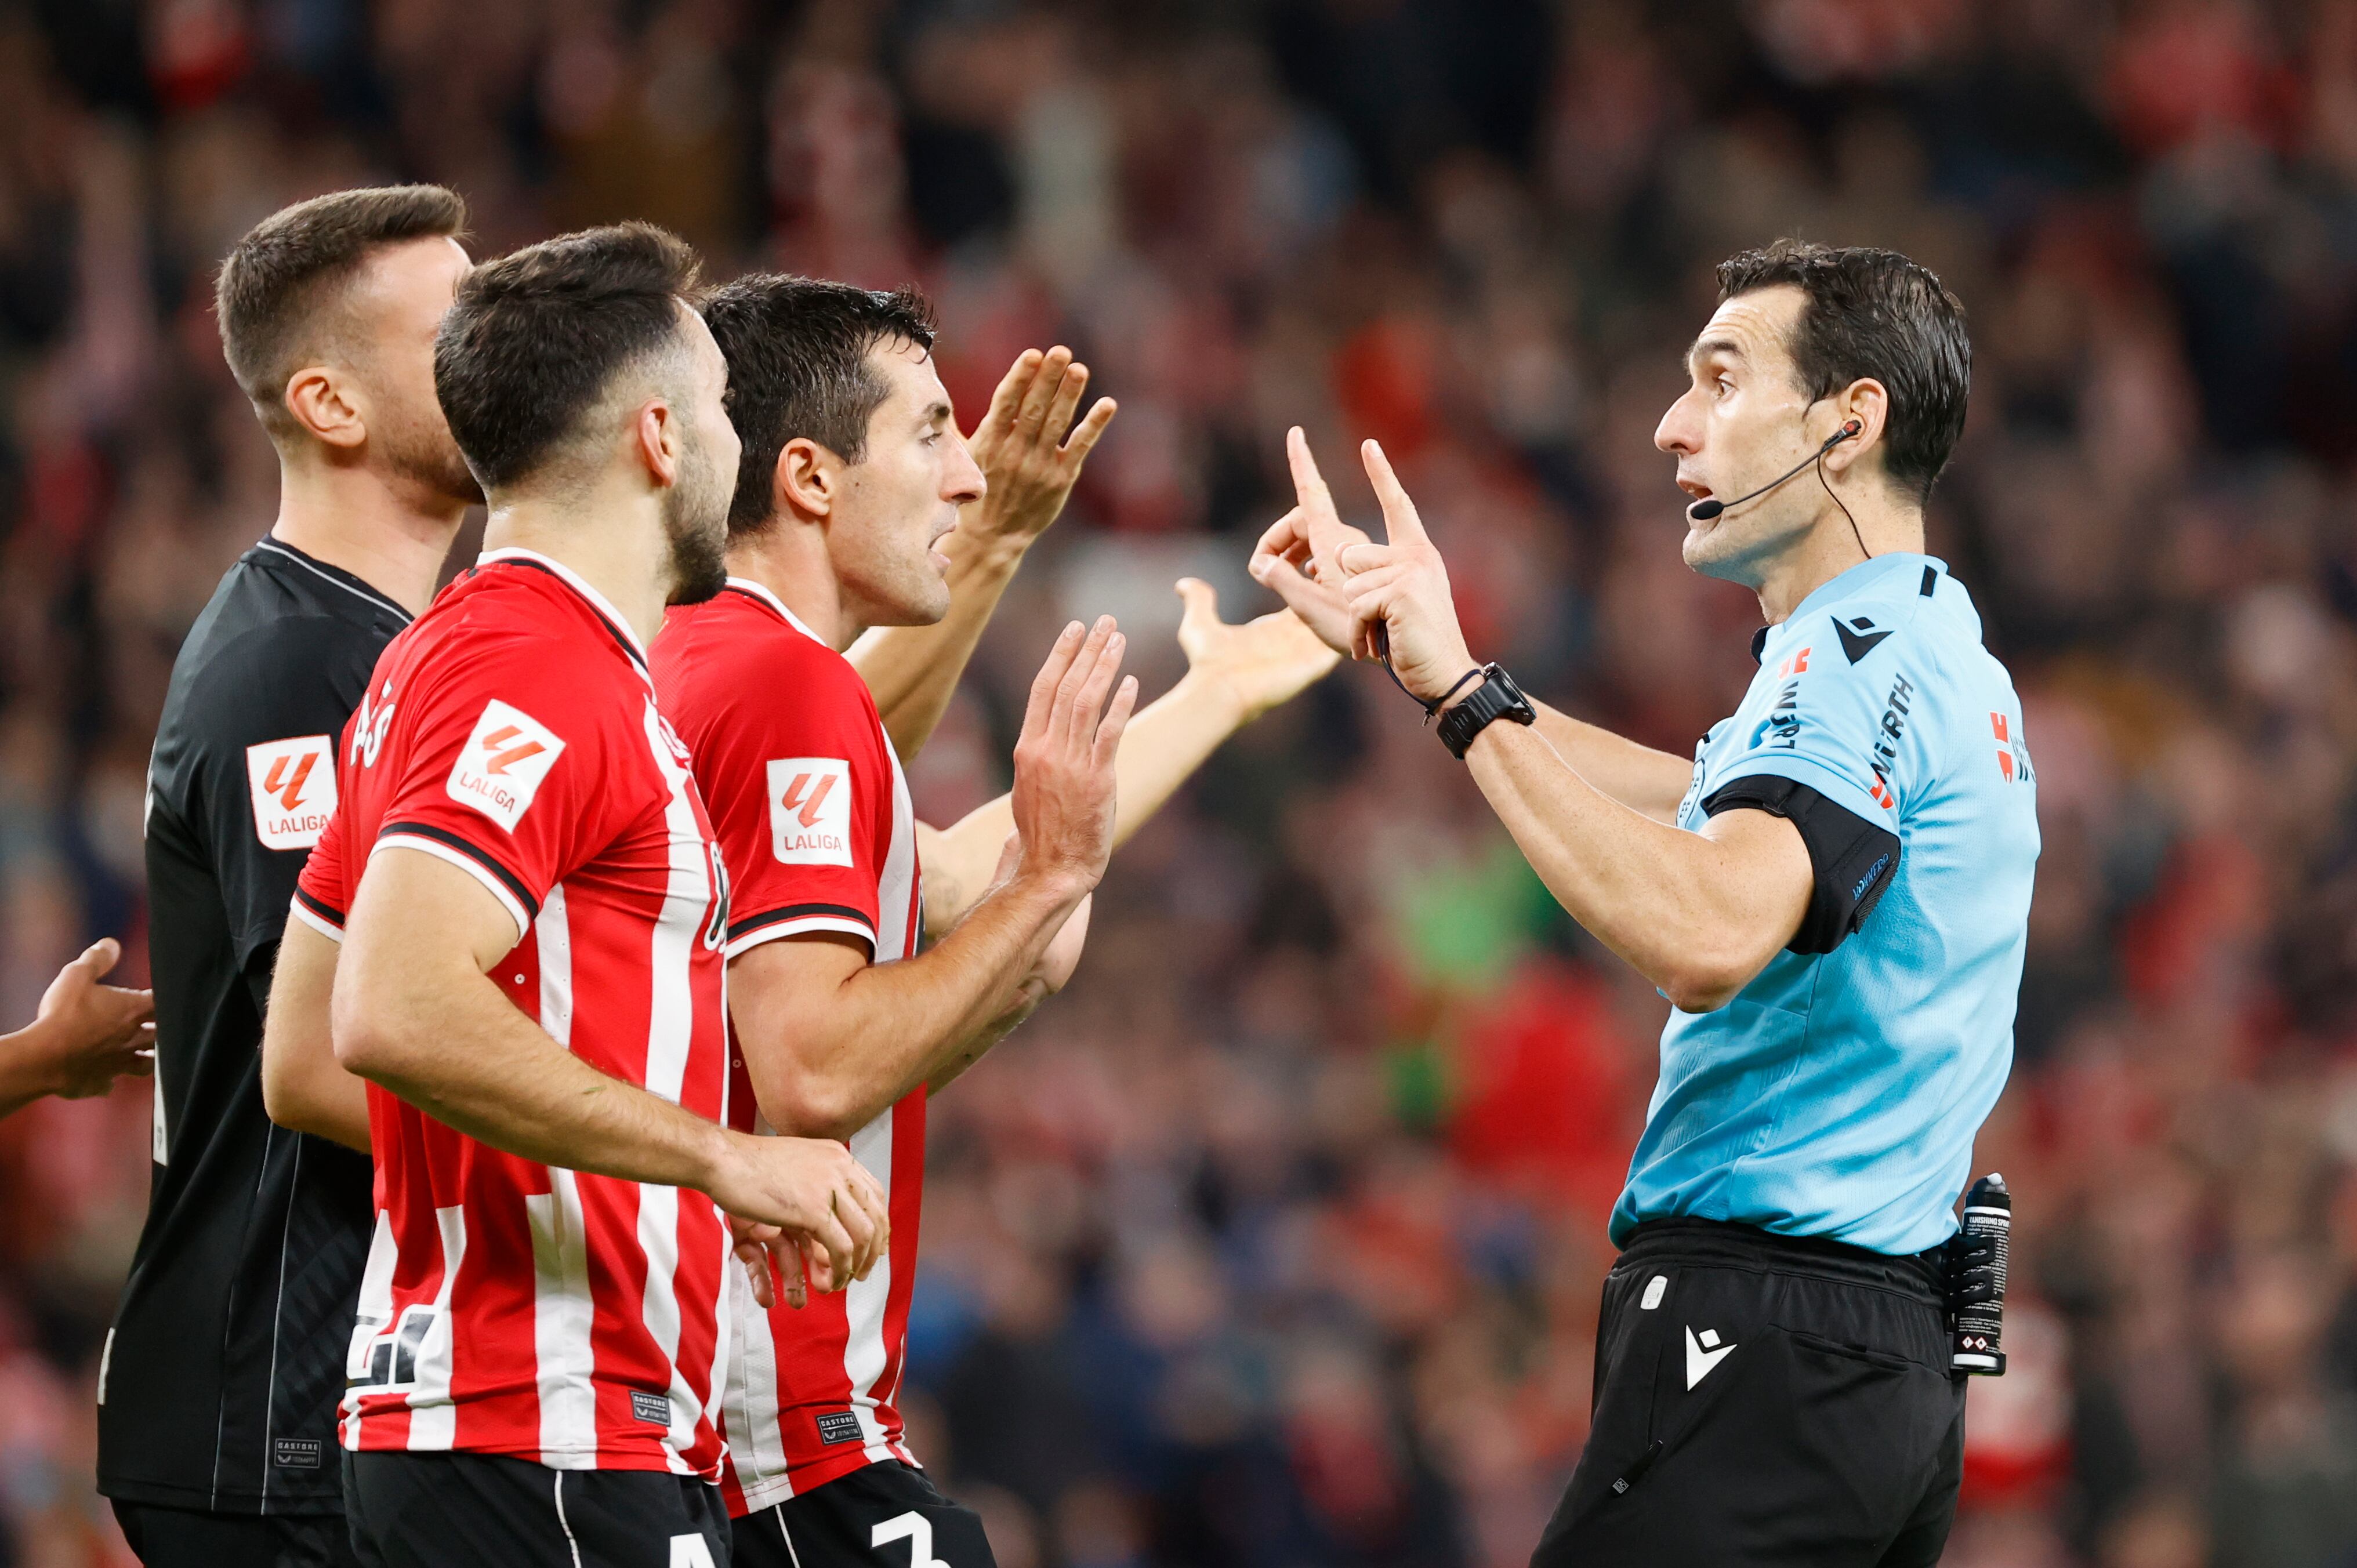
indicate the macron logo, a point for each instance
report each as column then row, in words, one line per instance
column 501, row 767
column 810, row 810
column 1703, row 1354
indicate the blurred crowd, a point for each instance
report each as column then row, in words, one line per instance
column 1276, row 1241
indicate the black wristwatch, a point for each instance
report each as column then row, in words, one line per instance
column 1495, row 698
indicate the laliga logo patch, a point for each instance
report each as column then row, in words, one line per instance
column 810, row 810
column 294, row 785
column 501, row 767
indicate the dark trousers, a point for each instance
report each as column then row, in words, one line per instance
column 884, row 1516
column 1765, row 1400
column 485, row 1510
column 183, row 1538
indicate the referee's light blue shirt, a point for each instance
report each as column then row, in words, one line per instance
column 1838, row 1094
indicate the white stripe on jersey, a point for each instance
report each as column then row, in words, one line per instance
column 687, row 908
column 864, row 1300
column 756, row 1443
column 896, row 889
column 374, row 1310
column 563, row 1311
column 433, row 1419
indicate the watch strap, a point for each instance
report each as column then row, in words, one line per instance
column 1497, row 697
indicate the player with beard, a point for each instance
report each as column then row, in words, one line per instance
column 219, row 1382
column 511, row 929
column 851, row 477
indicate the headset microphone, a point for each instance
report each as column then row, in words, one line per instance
column 1703, row 511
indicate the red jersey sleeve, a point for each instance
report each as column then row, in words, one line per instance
column 802, row 801
column 512, row 771
column 320, row 893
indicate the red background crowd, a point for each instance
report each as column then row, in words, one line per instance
column 1276, row 1241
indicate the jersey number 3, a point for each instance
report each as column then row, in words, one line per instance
column 917, row 1531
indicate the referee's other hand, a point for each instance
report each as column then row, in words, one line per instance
column 92, row 1033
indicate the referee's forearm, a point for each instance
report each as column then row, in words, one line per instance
column 1670, row 903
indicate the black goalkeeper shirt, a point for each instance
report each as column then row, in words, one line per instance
column 221, row 1378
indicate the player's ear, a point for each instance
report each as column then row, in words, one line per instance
column 807, row 480
column 1868, row 403
column 657, row 437
column 327, row 405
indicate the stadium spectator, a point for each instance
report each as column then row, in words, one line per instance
column 1296, row 1087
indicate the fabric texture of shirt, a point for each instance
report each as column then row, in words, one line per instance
column 814, row 822
column 222, row 1368
column 511, row 1308
column 1838, row 1094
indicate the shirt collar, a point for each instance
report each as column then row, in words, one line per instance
column 1896, row 574
column 336, row 576
column 579, row 584
column 761, row 591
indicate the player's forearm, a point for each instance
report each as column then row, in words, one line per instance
column 303, row 1086
column 1676, row 906
column 28, row 1068
column 1640, row 778
column 826, row 1069
column 911, row 671
column 1165, row 743
column 1027, row 999
column 452, row 1045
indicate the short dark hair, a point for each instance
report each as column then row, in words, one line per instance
column 1873, row 313
column 270, row 295
column 796, row 349
column 535, row 338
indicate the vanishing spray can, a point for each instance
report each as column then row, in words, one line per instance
column 1976, row 1260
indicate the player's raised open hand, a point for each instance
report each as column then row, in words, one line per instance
column 1064, row 794
column 92, row 1034
column 1400, row 589
column 1029, row 461
column 807, row 1202
column 1265, row 662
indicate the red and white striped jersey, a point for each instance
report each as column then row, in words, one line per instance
column 510, row 1307
column 813, row 820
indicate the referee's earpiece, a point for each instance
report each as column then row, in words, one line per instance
column 1703, row 512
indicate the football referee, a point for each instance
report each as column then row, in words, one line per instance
column 1834, row 896
column 219, row 1386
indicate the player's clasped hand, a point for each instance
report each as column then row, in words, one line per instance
column 809, row 1204
column 1064, row 797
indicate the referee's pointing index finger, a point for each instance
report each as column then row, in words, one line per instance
column 1320, row 521
column 1401, row 524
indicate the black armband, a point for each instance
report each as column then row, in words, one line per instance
column 1853, row 858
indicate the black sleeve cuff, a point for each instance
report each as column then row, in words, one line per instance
column 1852, row 858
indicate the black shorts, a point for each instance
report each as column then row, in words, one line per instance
column 484, row 1510
column 182, row 1538
column 1765, row 1398
column 886, row 1516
